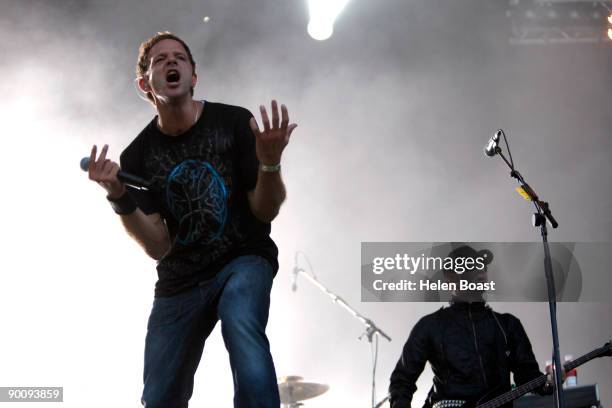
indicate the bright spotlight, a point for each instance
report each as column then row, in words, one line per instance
column 323, row 14
column 610, row 33
column 610, row 19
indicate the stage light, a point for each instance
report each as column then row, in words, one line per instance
column 323, row 14
column 559, row 21
column 319, row 30
column 610, row 33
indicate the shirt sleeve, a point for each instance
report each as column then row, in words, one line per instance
column 246, row 156
column 130, row 162
column 523, row 363
column 409, row 367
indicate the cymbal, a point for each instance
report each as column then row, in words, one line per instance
column 292, row 389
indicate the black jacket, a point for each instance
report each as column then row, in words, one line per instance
column 472, row 351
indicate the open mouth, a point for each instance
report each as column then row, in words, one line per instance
column 172, row 76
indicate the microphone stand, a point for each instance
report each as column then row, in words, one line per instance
column 539, row 220
column 371, row 330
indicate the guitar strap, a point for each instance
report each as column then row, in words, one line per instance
column 503, row 359
column 503, row 332
column 503, row 350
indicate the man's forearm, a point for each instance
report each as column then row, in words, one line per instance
column 149, row 231
column 269, row 193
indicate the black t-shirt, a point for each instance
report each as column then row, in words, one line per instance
column 200, row 182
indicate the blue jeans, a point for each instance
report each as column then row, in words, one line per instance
column 239, row 296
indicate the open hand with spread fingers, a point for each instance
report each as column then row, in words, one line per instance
column 270, row 143
column 104, row 172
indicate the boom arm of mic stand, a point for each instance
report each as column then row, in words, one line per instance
column 371, row 328
column 541, row 205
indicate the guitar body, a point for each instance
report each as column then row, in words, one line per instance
column 605, row 350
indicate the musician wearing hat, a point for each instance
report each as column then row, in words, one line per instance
column 471, row 349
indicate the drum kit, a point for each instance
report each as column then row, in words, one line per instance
column 293, row 390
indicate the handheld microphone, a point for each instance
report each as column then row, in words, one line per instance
column 126, row 178
column 491, row 149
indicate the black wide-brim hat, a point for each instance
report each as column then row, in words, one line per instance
column 466, row 251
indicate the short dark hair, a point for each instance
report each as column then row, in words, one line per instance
column 142, row 65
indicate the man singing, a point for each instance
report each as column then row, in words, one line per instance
column 216, row 187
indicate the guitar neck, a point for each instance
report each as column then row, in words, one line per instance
column 570, row 365
column 541, row 380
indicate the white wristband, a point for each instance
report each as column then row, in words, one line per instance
column 270, row 169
